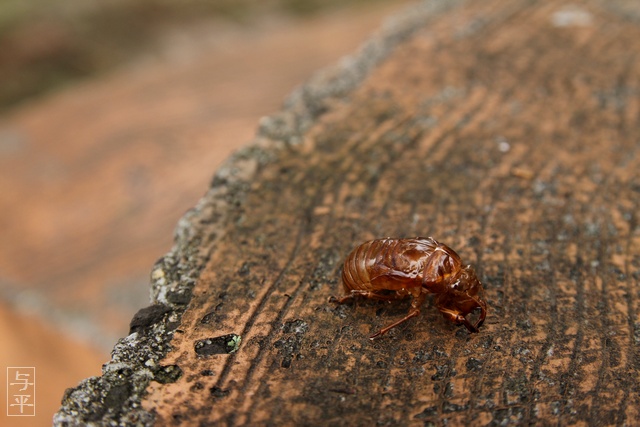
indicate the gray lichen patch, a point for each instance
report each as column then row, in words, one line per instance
column 297, row 326
column 168, row 374
column 289, row 345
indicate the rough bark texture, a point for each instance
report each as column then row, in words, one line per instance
column 507, row 130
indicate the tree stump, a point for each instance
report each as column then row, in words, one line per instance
column 508, row 131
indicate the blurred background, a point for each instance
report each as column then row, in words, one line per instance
column 114, row 116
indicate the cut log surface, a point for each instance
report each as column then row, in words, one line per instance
column 509, row 131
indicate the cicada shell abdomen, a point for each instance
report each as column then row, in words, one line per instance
column 360, row 263
column 387, row 264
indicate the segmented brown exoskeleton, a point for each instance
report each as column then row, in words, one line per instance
column 392, row 269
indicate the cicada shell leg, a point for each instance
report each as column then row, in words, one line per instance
column 417, row 302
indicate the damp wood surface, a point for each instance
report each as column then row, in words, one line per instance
column 508, row 131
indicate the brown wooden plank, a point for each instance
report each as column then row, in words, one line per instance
column 509, row 131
